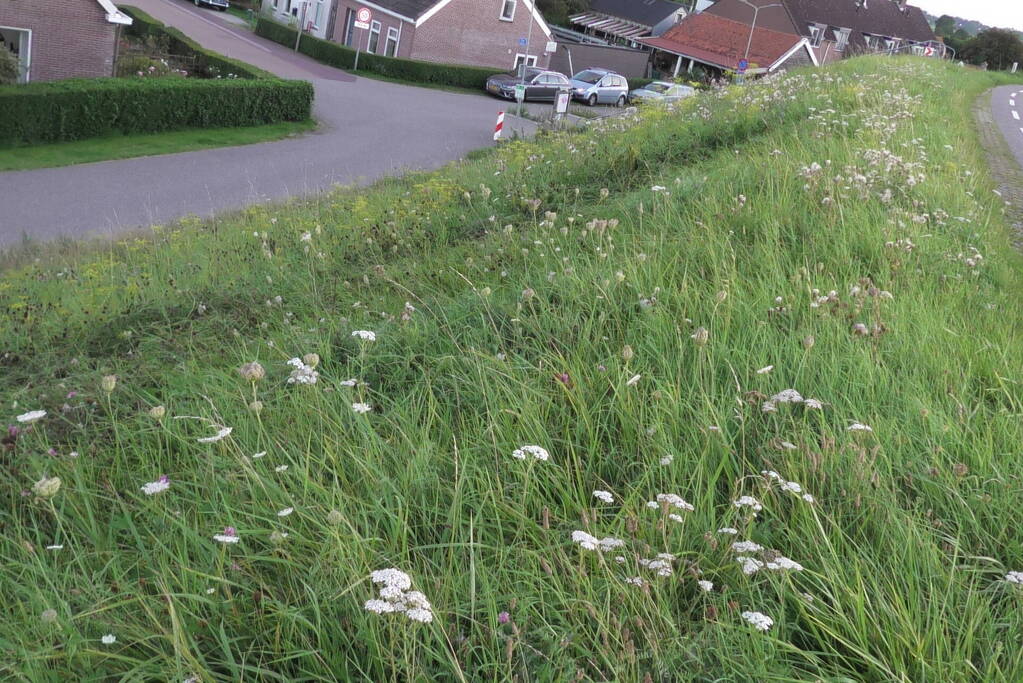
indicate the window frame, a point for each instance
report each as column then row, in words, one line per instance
column 842, row 36
column 395, row 35
column 504, row 6
column 816, row 35
column 373, row 40
column 522, row 55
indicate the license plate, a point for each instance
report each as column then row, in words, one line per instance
column 492, row 88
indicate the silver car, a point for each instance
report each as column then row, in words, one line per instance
column 661, row 91
column 594, row 86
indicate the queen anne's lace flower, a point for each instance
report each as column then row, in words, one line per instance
column 31, row 416
column 361, row 408
column 365, row 335
column 229, row 536
column 748, row 501
column 857, row 427
column 302, row 373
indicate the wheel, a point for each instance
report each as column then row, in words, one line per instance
column 592, row 101
column 621, row 101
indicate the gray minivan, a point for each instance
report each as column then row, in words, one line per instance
column 600, row 85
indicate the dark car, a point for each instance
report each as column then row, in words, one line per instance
column 221, row 5
column 540, row 85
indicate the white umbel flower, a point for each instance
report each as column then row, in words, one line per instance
column 760, row 621
column 31, row 416
column 1015, row 577
column 604, row 496
column 154, row 487
column 746, row 547
column 858, row 427
column 222, row 433
column 705, row 586
column 365, row 335
column 728, row 530
column 108, row 639
column 285, row 512
column 361, row 408
column 749, row 502
column 538, row 453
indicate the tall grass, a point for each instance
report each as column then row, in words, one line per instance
column 615, row 298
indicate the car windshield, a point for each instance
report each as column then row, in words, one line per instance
column 588, row 76
column 532, row 73
column 657, row 87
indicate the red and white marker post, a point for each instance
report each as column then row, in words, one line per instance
column 500, row 125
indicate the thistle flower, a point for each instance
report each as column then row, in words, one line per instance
column 158, row 486
column 229, row 536
column 701, row 336
column 222, row 433
column 157, row 412
column 604, row 496
column 31, row 416
column 503, row 618
column 760, row 621
column 108, row 639
column 361, row 408
column 365, row 335
column 47, row 487
column 538, row 453
column 252, row 372
column 108, row 383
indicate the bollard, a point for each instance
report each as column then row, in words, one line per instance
column 500, row 126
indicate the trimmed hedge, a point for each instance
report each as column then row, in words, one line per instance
column 343, row 57
column 144, row 25
column 84, row 108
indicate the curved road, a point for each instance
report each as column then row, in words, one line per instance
column 1007, row 109
column 368, row 129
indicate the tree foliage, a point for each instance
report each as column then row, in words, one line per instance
column 945, row 25
column 998, row 47
column 558, row 11
column 9, row 68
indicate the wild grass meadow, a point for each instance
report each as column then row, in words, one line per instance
column 729, row 392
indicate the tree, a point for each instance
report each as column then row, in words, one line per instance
column 945, row 25
column 998, row 47
column 9, row 67
column 558, row 11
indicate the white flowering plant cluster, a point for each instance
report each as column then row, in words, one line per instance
column 396, row 597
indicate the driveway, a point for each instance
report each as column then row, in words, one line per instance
column 368, row 129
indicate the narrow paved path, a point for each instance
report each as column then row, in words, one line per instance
column 999, row 116
column 1007, row 109
column 368, row 129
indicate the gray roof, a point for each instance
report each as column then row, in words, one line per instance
column 413, row 9
column 645, row 12
column 879, row 17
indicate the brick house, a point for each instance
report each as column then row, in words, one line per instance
column 722, row 43
column 621, row 22
column 55, row 39
column 840, row 28
column 491, row 33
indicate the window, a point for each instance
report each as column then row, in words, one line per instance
column 275, row 3
column 374, row 37
column 508, row 10
column 519, row 58
column 319, row 13
column 391, row 45
column 816, row 35
column 892, row 45
column 349, row 27
column 870, row 41
column 841, row 38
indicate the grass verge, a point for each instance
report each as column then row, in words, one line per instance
column 107, row 148
column 775, row 322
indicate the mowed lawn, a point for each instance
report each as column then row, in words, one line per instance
column 725, row 392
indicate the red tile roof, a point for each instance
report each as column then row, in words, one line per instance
column 722, row 42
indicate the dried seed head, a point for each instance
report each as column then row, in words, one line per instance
column 108, row 383
column 627, row 353
column 311, row 359
column 157, row 412
column 252, row 372
column 808, row 342
column 701, row 336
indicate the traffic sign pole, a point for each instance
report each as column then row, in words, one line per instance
column 362, row 19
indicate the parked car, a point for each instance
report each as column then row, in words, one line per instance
column 221, row 5
column 594, row 86
column 661, row 91
column 540, row 84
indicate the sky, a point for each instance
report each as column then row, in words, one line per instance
column 1000, row 13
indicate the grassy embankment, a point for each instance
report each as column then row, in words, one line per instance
column 582, row 333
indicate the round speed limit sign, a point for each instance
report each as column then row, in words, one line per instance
column 364, row 15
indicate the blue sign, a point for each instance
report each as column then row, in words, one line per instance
column 743, row 65
column 522, row 42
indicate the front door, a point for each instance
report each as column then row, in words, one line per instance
column 331, row 20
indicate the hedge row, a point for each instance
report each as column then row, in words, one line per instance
column 83, row 108
column 207, row 61
column 410, row 70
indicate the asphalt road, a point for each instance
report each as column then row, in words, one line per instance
column 368, row 129
column 1007, row 108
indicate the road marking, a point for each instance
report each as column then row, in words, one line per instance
column 1012, row 103
column 1015, row 114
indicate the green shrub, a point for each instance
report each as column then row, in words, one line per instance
column 77, row 109
column 207, row 62
column 9, row 67
column 343, row 57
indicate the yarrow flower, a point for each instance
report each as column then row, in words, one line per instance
column 361, row 408
column 749, row 502
column 746, row 547
column 285, row 512
column 31, row 416
column 223, row 432
column 760, row 621
column 604, row 496
column 857, row 427
column 728, row 530
column 395, row 596
column 537, row 452
column 705, row 586
column 365, row 335
column 158, row 486
column 589, row 542
column 671, row 500
column 229, row 536
column 302, row 373
column 1015, row 577
column 108, row 639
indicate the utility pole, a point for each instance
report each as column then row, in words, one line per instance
column 301, row 23
column 525, row 60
